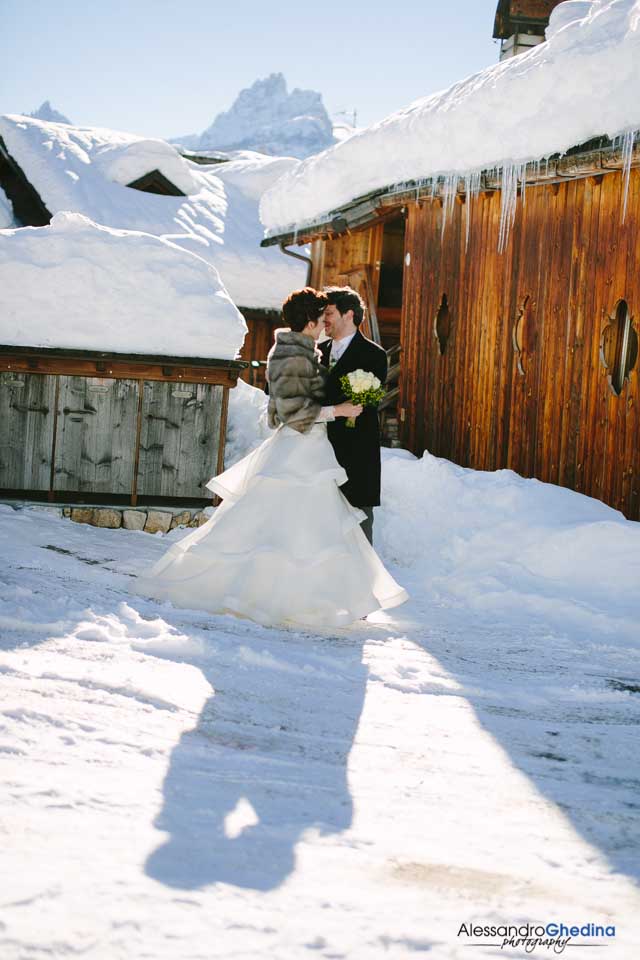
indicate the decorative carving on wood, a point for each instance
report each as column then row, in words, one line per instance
column 442, row 324
column 523, row 333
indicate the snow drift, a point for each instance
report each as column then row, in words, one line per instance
column 510, row 547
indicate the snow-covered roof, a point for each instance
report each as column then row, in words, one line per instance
column 87, row 169
column 91, row 287
column 584, row 82
column 254, row 276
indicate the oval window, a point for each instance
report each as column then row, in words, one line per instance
column 619, row 347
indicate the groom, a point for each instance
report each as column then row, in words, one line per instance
column 357, row 449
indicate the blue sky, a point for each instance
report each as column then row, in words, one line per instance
column 160, row 68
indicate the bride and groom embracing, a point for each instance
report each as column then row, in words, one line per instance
column 291, row 541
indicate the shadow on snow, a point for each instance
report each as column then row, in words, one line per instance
column 271, row 747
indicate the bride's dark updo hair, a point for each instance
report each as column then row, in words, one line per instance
column 303, row 306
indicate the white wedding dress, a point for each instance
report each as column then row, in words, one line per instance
column 285, row 546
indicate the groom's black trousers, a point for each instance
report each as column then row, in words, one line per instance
column 367, row 525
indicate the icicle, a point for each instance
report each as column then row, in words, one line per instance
column 472, row 182
column 626, row 141
column 449, row 192
column 511, row 173
column 467, row 208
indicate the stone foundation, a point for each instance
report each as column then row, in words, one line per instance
column 148, row 519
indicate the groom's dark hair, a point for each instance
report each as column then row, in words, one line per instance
column 303, row 306
column 346, row 298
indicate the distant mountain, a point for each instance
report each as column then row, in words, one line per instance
column 267, row 118
column 46, row 112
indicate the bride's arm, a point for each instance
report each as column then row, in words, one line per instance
column 345, row 409
column 326, row 414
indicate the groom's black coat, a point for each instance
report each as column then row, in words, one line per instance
column 357, row 449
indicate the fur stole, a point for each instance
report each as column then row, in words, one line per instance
column 296, row 381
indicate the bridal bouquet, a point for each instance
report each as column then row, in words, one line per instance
column 361, row 387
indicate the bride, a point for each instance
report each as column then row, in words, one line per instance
column 285, row 546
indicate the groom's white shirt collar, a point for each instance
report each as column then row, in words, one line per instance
column 338, row 347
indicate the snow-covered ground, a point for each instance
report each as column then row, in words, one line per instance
column 181, row 786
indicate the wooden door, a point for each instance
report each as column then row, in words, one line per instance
column 27, row 415
column 179, row 438
column 96, row 435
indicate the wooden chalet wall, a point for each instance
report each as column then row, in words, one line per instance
column 346, row 259
column 535, row 399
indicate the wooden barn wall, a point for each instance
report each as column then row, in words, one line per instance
column 76, row 435
column 568, row 261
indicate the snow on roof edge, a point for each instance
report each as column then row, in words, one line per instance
column 584, row 82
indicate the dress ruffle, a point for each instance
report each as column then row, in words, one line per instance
column 285, row 547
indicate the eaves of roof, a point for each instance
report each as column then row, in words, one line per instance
column 595, row 158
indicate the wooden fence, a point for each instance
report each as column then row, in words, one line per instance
column 143, row 431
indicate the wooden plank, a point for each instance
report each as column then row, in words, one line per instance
column 95, row 435
column 590, row 371
column 615, row 465
column 376, row 238
column 407, row 324
column 553, row 340
column 562, row 286
column 533, row 283
column 136, row 451
column 533, row 9
column 179, row 439
column 427, row 277
column 54, row 443
column 318, row 250
column 224, row 417
column 630, row 486
column 508, row 310
column 112, row 359
column 371, row 303
column 445, row 365
column 568, row 472
column 490, row 332
column 609, row 221
column 23, row 361
column 27, row 417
